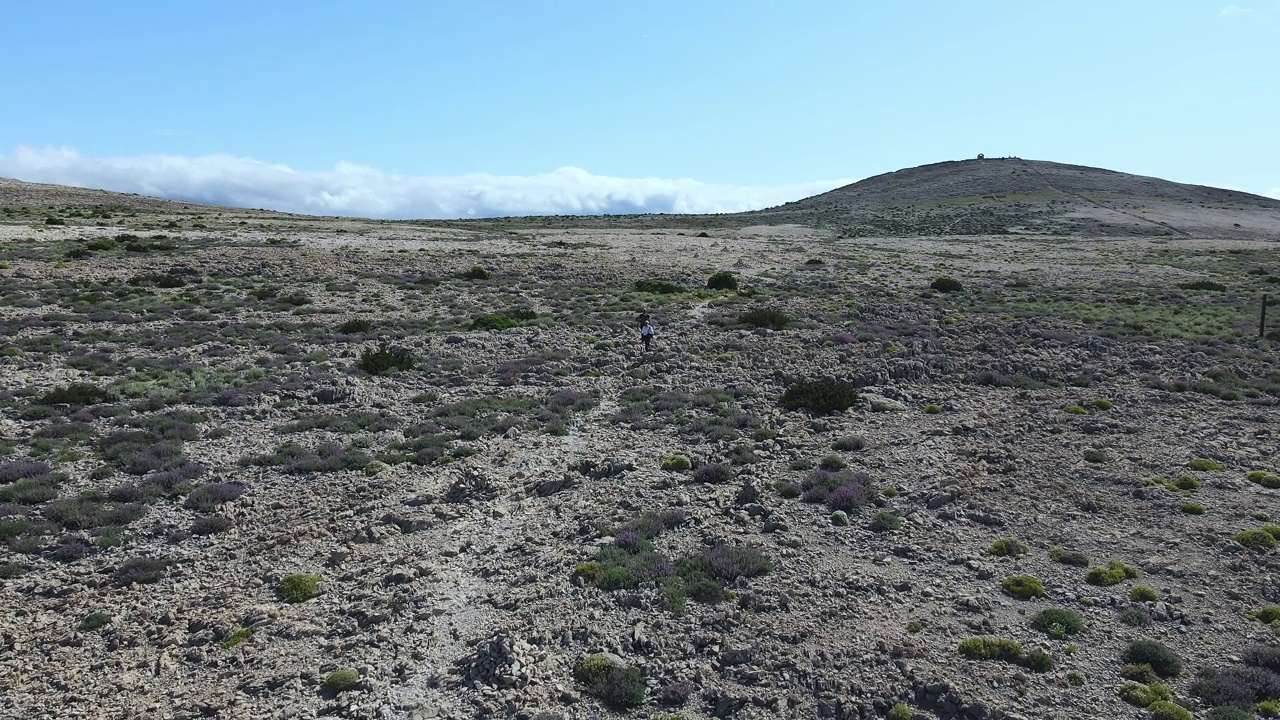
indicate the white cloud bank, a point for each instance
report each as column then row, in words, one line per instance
column 1233, row 11
column 350, row 189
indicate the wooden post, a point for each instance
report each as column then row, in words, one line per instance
column 1262, row 321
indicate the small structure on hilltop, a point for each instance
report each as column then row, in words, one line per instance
column 982, row 156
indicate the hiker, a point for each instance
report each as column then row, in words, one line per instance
column 646, row 333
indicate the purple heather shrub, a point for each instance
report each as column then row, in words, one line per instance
column 850, row 496
column 19, row 469
column 207, row 497
column 628, row 540
column 1236, row 686
column 729, row 562
column 1263, row 656
column 843, row 339
column 70, row 548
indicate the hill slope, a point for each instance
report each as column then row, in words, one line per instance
column 1012, row 195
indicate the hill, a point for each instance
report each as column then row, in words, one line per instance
column 997, row 196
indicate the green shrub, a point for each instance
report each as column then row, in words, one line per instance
column 1074, row 410
column 900, row 711
column 355, row 326
column 1183, row 482
column 1039, row 661
column 298, row 587
column 619, row 686
column 1113, row 574
column 1203, row 285
column 850, row 443
column 1192, row 508
column 1102, row 404
column 341, row 680
column 1058, row 622
column 1207, row 465
column 238, row 637
column 1135, row 617
column 477, row 272
column 10, row 570
column 494, row 322
column 658, row 287
column 1259, row 540
column 1142, row 695
column 932, row 409
column 384, row 360
column 1266, row 479
column 832, row 462
column 1229, row 713
column 676, row 463
column 723, row 280
column 989, row 647
column 94, row 621
column 1268, row 615
column 821, row 397
column 1008, row 547
column 1096, row 456
column 1164, row 661
column 765, row 318
column 1268, row 708
column 1023, row 587
column 885, row 522
column 1069, row 557
column 946, row 284
column 1142, row 593
column 1165, row 710
column 75, row 395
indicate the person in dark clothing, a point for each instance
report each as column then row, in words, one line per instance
column 646, row 334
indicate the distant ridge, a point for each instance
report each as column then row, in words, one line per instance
column 994, row 196
column 1002, row 195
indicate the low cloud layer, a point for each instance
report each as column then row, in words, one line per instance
column 350, row 189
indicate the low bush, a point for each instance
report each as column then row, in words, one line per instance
column 1267, row 480
column 355, row 326
column 1236, row 685
column 1008, row 547
column 676, row 463
column 1096, row 456
column 236, row 638
column 94, row 621
column 713, row 474
column 821, row 397
column 1039, row 661
column 850, row 443
column 1102, row 404
column 341, row 680
column 19, row 469
column 765, row 318
column 1259, row 540
column 1164, row 661
column 298, row 587
column 1229, row 713
column 141, row 570
column 885, row 522
column 1058, row 623
column 658, row 287
column 1135, row 617
column 618, row 686
column 494, row 322
column 477, row 272
column 1142, row 593
column 1069, row 557
column 1183, row 482
column 946, row 284
column 1263, row 656
column 988, row 647
column 900, row 711
column 1023, row 587
column 210, row 525
column 1142, row 694
column 77, row 395
column 385, row 360
column 723, row 280
column 1165, row 710
column 1207, row 465
column 208, row 497
column 1113, row 574
column 1203, row 285
column 1268, row 615
column 1192, row 508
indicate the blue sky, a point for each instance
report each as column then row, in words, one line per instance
column 453, row 108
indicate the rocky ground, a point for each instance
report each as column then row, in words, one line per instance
column 202, row 392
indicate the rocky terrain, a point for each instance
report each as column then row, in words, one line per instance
column 887, row 458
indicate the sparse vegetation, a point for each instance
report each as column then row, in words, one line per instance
column 299, row 587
